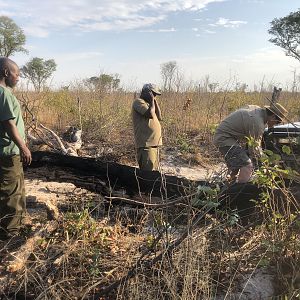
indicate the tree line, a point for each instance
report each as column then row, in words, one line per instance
column 285, row 33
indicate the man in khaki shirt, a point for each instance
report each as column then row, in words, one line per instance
column 146, row 117
column 247, row 122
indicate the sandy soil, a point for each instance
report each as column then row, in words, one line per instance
column 170, row 167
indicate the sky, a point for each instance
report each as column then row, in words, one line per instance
column 224, row 39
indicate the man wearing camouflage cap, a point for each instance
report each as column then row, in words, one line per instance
column 247, row 122
column 146, row 117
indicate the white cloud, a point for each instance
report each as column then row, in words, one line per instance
column 35, row 31
column 209, row 31
column 167, row 30
column 41, row 17
column 269, row 64
column 256, row 1
column 159, row 30
column 223, row 22
column 4, row 4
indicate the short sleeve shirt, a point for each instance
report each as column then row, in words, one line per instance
column 147, row 131
column 9, row 109
column 249, row 121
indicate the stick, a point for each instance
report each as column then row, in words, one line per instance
column 61, row 145
column 21, row 256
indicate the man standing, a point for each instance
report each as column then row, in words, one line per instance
column 146, row 117
column 247, row 122
column 13, row 153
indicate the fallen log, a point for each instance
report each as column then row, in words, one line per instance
column 126, row 184
column 109, row 178
column 116, row 176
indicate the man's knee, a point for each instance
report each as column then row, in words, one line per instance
column 245, row 173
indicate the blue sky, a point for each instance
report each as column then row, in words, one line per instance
column 225, row 39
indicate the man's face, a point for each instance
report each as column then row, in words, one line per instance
column 12, row 75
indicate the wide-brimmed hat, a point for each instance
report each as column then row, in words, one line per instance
column 278, row 110
column 152, row 87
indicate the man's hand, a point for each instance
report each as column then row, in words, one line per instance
column 12, row 131
column 152, row 103
column 25, row 155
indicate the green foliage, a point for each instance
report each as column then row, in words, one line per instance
column 233, row 218
column 252, row 143
column 212, row 128
column 38, row 70
column 62, row 106
column 12, row 37
column 286, row 32
column 206, row 196
column 286, row 149
column 269, row 174
column 184, row 145
column 63, row 103
column 79, row 223
column 271, row 177
column 95, row 269
column 105, row 82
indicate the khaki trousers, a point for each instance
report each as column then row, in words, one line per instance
column 148, row 158
column 12, row 194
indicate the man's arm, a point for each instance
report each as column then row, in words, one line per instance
column 147, row 106
column 157, row 110
column 12, row 130
column 150, row 113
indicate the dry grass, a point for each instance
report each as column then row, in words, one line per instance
column 95, row 246
column 89, row 252
column 189, row 119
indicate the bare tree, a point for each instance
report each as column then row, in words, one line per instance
column 178, row 80
column 168, row 71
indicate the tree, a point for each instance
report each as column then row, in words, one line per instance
column 286, row 32
column 178, row 80
column 167, row 71
column 38, row 70
column 12, row 37
column 105, row 82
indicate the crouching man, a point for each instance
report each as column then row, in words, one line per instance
column 232, row 133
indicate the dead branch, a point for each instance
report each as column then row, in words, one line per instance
column 16, row 261
column 146, row 264
column 276, row 94
column 57, row 139
column 54, row 141
column 148, row 205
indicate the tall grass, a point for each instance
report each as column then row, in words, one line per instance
column 87, row 254
column 189, row 118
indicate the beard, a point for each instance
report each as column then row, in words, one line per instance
column 10, row 83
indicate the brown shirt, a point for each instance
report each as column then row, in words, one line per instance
column 248, row 121
column 147, row 132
